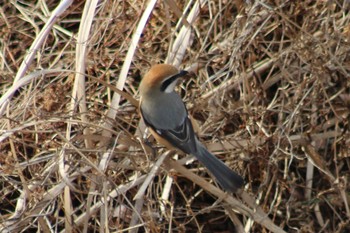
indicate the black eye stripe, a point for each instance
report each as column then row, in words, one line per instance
column 167, row 82
column 171, row 79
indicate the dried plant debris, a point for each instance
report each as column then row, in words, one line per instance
column 270, row 96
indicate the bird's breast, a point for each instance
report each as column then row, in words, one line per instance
column 164, row 112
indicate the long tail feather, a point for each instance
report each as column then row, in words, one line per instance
column 228, row 179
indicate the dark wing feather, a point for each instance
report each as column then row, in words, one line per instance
column 181, row 137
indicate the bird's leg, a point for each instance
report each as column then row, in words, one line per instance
column 148, row 143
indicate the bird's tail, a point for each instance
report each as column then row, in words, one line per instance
column 228, row 179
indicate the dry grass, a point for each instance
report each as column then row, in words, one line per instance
column 271, row 96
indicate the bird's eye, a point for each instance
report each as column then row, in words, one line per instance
column 169, row 84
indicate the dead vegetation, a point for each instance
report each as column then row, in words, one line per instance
column 271, row 97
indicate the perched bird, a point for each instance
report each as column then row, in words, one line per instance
column 166, row 116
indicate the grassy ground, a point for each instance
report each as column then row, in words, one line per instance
column 270, row 92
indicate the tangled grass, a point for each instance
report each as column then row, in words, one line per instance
column 270, row 92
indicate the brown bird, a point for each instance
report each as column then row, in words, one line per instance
column 166, row 115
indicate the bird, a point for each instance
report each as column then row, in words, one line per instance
column 166, row 116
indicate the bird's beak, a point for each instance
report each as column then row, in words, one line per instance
column 182, row 73
column 169, row 84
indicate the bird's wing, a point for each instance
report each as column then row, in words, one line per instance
column 181, row 137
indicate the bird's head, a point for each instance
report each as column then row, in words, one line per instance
column 161, row 78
